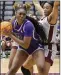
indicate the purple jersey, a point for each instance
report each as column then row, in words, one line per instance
column 27, row 29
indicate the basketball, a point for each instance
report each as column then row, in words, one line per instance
column 5, row 25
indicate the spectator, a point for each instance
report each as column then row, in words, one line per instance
column 6, row 45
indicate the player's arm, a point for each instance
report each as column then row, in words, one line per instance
column 28, row 32
column 24, row 43
column 38, row 7
column 52, row 18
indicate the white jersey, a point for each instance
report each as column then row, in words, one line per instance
column 50, row 30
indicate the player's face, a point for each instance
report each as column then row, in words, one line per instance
column 47, row 9
column 20, row 15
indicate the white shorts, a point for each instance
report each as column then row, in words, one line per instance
column 50, row 53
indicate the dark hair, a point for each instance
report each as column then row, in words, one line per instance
column 51, row 3
column 39, row 29
column 42, row 3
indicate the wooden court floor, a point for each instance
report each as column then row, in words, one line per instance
column 54, row 69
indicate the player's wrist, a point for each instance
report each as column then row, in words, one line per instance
column 56, row 4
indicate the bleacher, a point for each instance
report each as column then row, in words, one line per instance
column 7, row 11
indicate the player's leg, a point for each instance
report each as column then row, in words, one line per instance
column 27, row 67
column 39, row 59
column 19, row 59
column 12, row 53
column 29, row 62
column 49, row 58
column 47, row 66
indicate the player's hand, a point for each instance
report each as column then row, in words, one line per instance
column 56, row 3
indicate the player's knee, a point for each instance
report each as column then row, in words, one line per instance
column 40, row 67
column 41, row 64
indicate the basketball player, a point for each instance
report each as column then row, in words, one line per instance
column 6, row 45
column 15, row 45
column 49, row 14
column 27, row 39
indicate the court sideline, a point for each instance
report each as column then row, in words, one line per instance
column 54, row 69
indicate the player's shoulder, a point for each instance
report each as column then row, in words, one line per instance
column 28, row 26
column 29, row 23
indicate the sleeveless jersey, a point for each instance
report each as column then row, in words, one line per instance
column 51, row 48
column 50, row 30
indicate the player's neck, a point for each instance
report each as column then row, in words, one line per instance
column 19, row 22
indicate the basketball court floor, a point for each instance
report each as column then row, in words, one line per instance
column 54, row 70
